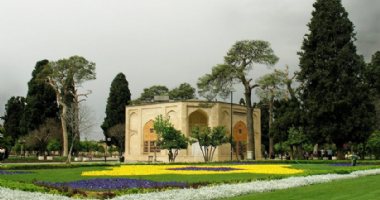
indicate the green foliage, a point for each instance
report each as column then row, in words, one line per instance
column 296, row 136
column 54, row 145
column 119, row 97
column 169, row 137
column 182, row 92
column 237, row 64
column 373, row 80
column 209, row 139
column 14, row 109
column 41, row 102
column 156, row 90
column 117, row 135
column 373, row 73
column 374, row 143
column 87, row 146
column 336, row 102
column 287, row 114
column 272, row 86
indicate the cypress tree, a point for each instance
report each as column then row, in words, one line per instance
column 336, row 105
column 119, row 97
column 41, row 101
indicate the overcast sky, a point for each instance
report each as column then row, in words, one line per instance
column 152, row 42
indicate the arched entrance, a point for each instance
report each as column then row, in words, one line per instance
column 150, row 138
column 197, row 118
column 240, row 138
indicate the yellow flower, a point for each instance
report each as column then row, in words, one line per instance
column 131, row 170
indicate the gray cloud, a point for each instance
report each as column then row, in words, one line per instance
column 155, row 42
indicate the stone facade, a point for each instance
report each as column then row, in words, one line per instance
column 140, row 137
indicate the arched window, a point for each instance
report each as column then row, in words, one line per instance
column 150, row 138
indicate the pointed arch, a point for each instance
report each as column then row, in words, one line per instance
column 150, row 138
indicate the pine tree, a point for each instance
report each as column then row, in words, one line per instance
column 41, row 102
column 335, row 98
column 119, row 97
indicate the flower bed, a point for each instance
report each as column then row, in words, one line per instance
column 208, row 192
column 113, row 183
column 128, row 170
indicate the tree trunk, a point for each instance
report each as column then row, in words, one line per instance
column 250, row 139
column 270, row 125
column 64, row 129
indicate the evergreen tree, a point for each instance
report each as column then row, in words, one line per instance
column 41, row 102
column 119, row 97
column 334, row 94
column 14, row 110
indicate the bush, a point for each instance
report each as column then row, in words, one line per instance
column 374, row 144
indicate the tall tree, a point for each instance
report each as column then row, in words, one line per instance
column 271, row 88
column 66, row 76
column 237, row 66
column 119, row 97
column 182, row 92
column 14, row 109
column 41, row 102
column 334, row 94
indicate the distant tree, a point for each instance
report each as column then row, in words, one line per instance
column 286, row 111
column 54, row 145
column 117, row 135
column 66, row 76
column 182, row 92
column 296, row 139
column 41, row 102
column 14, row 110
column 156, row 90
column 39, row 138
column 80, row 121
column 271, row 88
column 238, row 62
column 118, row 98
column 374, row 144
column 209, row 139
column 5, row 142
column 169, row 137
column 335, row 98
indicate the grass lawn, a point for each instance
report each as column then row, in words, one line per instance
column 364, row 188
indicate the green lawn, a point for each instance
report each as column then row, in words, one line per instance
column 364, row 188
